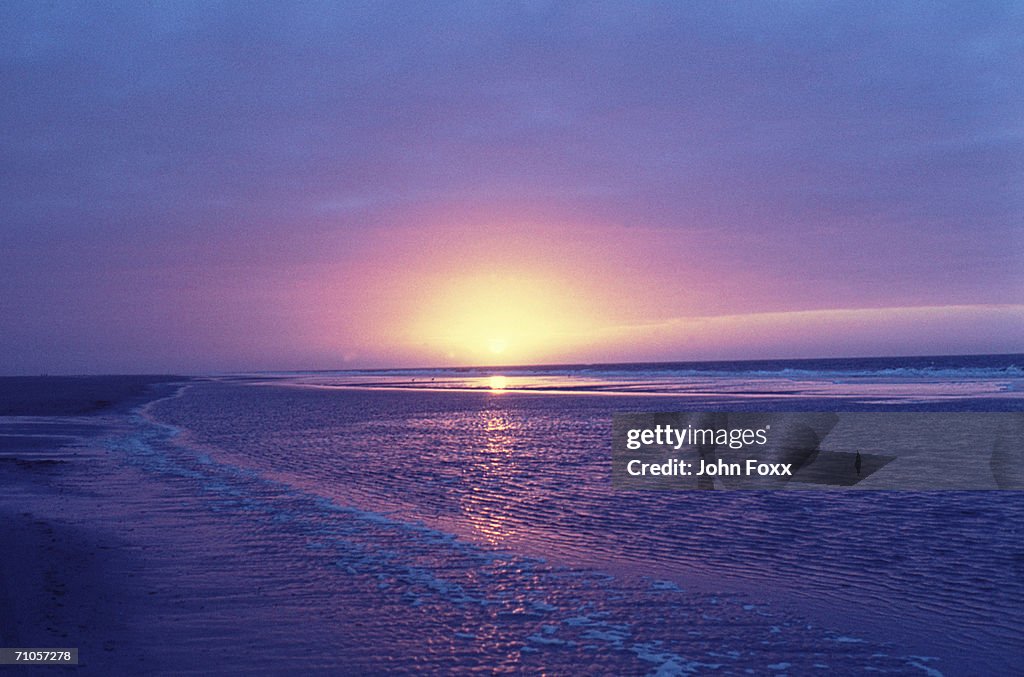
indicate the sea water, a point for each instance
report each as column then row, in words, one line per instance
column 479, row 513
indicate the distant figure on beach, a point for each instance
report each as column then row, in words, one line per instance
column 856, row 463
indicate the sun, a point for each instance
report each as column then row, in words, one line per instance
column 499, row 316
column 498, row 382
column 497, row 345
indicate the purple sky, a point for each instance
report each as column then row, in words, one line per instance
column 226, row 186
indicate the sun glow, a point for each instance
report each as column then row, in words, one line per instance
column 512, row 316
column 497, row 345
column 498, row 382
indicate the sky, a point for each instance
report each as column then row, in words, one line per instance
column 195, row 187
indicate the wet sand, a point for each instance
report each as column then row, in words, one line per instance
column 65, row 581
column 75, row 395
column 145, row 575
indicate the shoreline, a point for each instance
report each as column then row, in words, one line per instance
column 65, row 581
column 142, row 571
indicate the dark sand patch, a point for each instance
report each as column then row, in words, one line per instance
column 74, row 395
column 62, row 586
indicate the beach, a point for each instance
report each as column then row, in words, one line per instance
column 70, row 574
column 529, row 338
column 142, row 576
column 240, row 526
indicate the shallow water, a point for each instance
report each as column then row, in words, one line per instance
column 485, row 523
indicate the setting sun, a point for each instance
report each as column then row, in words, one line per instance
column 497, row 345
column 514, row 315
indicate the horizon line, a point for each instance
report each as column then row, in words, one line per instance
column 539, row 365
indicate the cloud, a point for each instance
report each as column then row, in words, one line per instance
column 866, row 332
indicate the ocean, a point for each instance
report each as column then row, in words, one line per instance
column 463, row 520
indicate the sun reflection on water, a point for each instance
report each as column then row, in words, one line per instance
column 492, row 467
